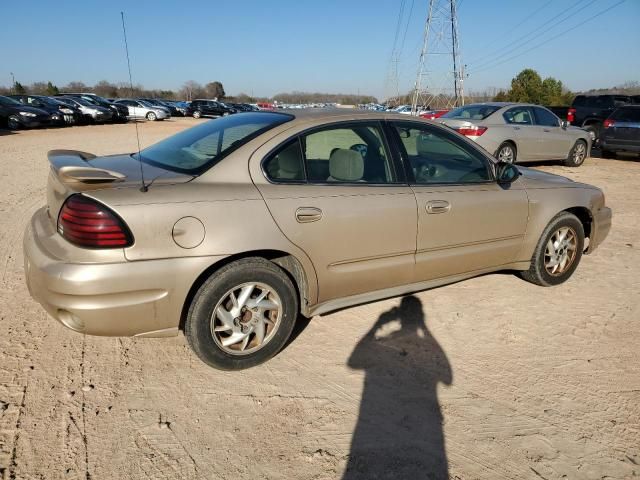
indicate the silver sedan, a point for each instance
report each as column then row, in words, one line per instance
column 520, row 132
column 141, row 109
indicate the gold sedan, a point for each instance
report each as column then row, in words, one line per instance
column 230, row 230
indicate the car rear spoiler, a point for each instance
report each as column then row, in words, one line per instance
column 73, row 168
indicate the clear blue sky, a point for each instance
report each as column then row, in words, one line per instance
column 265, row 47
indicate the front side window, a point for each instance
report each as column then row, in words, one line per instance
column 437, row 157
column 194, row 150
column 545, row 118
column 347, row 154
column 518, row 116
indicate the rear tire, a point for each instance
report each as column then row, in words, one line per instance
column 230, row 329
column 507, row 152
column 577, row 154
column 547, row 267
column 197, row 114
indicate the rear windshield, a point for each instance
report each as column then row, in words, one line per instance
column 9, row 102
column 472, row 112
column 627, row 115
column 193, row 151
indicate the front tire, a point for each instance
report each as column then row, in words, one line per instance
column 13, row 122
column 507, row 152
column 242, row 315
column 152, row 117
column 197, row 114
column 558, row 252
column 577, row 154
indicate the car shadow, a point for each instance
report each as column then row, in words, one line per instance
column 399, row 429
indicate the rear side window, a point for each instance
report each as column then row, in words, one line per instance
column 628, row 114
column 518, row 116
column 286, row 164
column 580, row 101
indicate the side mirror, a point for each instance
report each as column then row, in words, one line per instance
column 564, row 124
column 506, row 173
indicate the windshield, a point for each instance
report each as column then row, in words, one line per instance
column 199, row 148
column 472, row 112
column 83, row 101
column 146, row 104
column 9, row 102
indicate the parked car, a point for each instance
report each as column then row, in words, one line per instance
column 249, row 220
column 119, row 113
column 91, row 111
column 432, row 114
column 242, row 107
column 60, row 113
column 208, row 108
column 520, row 132
column 590, row 111
column 140, row 109
column 182, row 107
column 621, row 132
column 15, row 115
column 170, row 109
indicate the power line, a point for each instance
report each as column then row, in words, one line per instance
column 564, row 32
column 521, row 41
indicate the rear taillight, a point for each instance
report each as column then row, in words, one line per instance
column 471, row 131
column 87, row 223
column 571, row 115
column 609, row 123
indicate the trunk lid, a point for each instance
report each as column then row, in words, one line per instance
column 74, row 171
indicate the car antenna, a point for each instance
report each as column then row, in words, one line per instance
column 143, row 188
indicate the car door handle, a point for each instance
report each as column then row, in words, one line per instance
column 438, row 206
column 546, row 130
column 516, row 128
column 308, row 214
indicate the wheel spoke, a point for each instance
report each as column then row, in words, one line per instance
column 260, row 331
column 233, row 339
column 267, row 304
column 551, row 248
column 245, row 342
column 225, row 317
column 245, row 293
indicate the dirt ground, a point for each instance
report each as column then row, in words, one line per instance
column 507, row 380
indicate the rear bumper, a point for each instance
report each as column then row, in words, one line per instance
column 125, row 298
column 601, row 227
column 615, row 146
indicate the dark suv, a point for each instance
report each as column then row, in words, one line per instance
column 590, row 111
column 61, row 114
column 211, row 108
column 621, row 132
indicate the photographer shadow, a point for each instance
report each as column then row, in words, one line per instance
column 399, row 430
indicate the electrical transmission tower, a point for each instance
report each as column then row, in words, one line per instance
column 440, row 77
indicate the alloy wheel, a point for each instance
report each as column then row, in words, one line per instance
column 246, row 318
column 579, row 153
column 506, row 154
column 560, row 251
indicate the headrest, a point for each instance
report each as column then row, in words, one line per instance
column 346, row 165
column 289, row 163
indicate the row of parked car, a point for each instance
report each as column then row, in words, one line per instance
column 30, row 111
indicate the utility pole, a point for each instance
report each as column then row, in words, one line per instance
column 440, row 74
column 13, row 82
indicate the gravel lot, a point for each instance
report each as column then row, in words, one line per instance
column 507, row 380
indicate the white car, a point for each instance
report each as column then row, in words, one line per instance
column 141, row 109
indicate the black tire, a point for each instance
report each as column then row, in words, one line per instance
column 197, row 114
column 199, row 318
column 537, row 272
column 608, row 154
column 13, row 122
column 577, row 154
column 504, row 149
column 152, row 117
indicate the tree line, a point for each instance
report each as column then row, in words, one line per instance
column 190, row 90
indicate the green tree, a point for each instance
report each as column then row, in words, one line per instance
column 551, row 92
column 501, row 96
column 19, row 89
column 526, row 87
column 52, row 89
column 215, row 90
